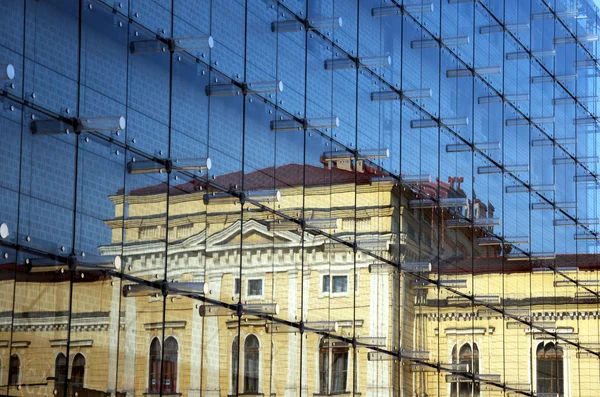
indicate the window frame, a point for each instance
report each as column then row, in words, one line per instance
column 235, row 365
column 542, row 346
column 247, row 295
column 326, row 357
column 150, row 387
column 246, row 389
column 10, row 370
column 174, row 374
column 237, row 286
column 330, row 293
column 173, row 381
column 472, row 388
column 71, row 381
column 57, row 380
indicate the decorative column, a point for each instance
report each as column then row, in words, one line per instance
column 212, row 342
column 291, row 388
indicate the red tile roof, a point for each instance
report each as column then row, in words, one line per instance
column 268, row 178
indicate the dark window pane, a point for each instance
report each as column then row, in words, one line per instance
column 254, row 287
column 154, row 374
column 325, row 284
column 323, row 367
column 550, row 377
column 339, row 371
column 14, row 370
column 340, row 284
column 251, row 363
column 78, row 371
column 60, row 369
column 234, row 364
column 170, row 365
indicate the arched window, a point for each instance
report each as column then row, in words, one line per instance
column 60, row 369
column 323, row 367
column 333, row 368
column 78, row 370
column 14, row 369
column 251, row 362
column 476, row 386
column 170, row 365
column 154, row 366
column 235, row 362
column 454, row 385
column 470, row 358
column 549, row 371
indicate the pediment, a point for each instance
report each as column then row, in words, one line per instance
column 195, row 240
column 254, row 234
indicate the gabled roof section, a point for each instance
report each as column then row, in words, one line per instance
column 226, row 238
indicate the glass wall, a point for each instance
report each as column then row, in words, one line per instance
column 213, row 198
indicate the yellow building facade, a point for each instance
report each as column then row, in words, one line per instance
column 260, row 304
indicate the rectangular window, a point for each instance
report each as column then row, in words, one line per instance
column 236, row 286
column 335, row 284
column 255, row 287
column 339, row 370
column 340, row 284
column 325, row 284
column 323, row 370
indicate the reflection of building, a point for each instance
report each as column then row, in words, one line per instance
column 520, row 347
column 413, row 215
column 314, row 280
column 310, row 278
column 321, row 285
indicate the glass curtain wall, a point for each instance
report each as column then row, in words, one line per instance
column 213, row 198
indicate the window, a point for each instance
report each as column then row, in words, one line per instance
column 335, row 284
column 78, row 370
column 60, row 369
column 235, row 361
column 323, row 368
column 237, row 286
column 426, row 235
column 255, row 287
column 332, row 377
column 154, row 378
column 470, row 357
column 14, row 370
column 251, row 357
column 549, row 371
column 169, row 369
column 326, row 286
column 170, row 365
column 339, row 370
